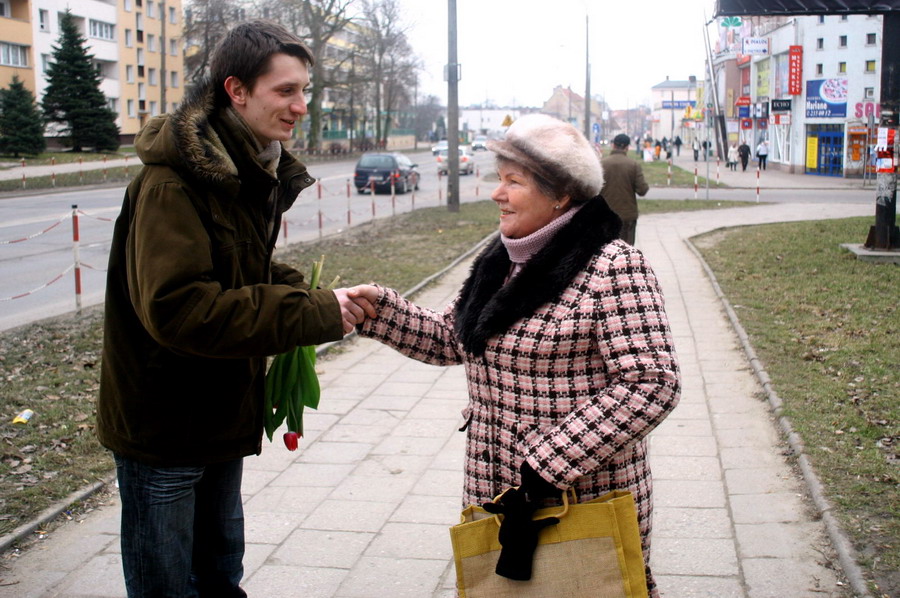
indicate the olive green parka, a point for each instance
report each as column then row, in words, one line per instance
column 194, row 302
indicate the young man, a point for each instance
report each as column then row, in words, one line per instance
column 623, row 178
column 194, row 305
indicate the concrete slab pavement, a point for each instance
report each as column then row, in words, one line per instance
column 362, row 509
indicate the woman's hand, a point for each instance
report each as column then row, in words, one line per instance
column 357, row 303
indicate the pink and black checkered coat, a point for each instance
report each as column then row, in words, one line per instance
column 570, row 364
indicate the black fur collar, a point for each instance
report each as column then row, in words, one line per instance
column 486, row 307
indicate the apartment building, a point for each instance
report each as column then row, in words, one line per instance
column 812, row 90
column 136, row 45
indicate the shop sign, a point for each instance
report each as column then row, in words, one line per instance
column 862, row 109
column 744, row 112
column 779, row 119
column 826, row 98
column 677, row 104
column 795, row 70
column 746, row 123
column 781, row 105
column 743, row 101
column 812, row 152
column 762, row 123
column 755, row 46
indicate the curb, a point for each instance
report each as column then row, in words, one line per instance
column 839, row 540
column 53, row 511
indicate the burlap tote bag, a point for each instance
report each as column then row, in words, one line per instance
column 594, row 552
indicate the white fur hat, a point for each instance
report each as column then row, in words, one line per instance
column 555, row 150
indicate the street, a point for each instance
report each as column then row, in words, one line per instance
column 36, row 231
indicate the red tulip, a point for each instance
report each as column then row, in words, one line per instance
column 290, row 440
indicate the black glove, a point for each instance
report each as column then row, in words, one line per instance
column 518, row 532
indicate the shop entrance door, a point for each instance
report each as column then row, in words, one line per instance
column 829, row 155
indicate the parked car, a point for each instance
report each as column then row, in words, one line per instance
column 437, row 147
column 384, row 169
column 466, row 161
column 479, row 143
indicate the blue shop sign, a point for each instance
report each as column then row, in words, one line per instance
column 826, row 98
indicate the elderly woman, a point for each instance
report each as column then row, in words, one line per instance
column 563, row 335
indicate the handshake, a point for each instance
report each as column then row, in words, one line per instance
column 357, row 303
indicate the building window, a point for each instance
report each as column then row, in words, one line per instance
column 128, row 5
column 142, row 91
column 129, row 42
column 151, row 42
column 139, row 22
column 13, row 55
column 102, row 30
column 129, row 73
column 113, row 104
column 842, row 67
column 140, row 56
column 151, row 76
column 173, row 78
column 172, row 14
column 844, row 17
column 151, row 14
column 870, row 66
column 154, row 111
column 821, row 19
column 820, row 43
column 870, row 39
column 869, row 93
column 173, row 47
column 44, row 19
column 842, row 41
column 4, row 8
column 131, row 112
column 819, row 69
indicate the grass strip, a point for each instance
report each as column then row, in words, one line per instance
column 826, row 327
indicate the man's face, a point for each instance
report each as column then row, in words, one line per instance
column 271, row 109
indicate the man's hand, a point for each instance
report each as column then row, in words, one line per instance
column 357, row 303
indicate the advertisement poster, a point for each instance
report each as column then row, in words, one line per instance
column 812, row 153
column 762, row 78
column 826, row 98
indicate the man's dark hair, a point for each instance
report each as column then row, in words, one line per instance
column 621, row 140
column 246, row 52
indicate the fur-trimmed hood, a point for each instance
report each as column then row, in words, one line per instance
column 486, row 307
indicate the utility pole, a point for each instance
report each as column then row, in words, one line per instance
column 452, row 74
column 884, row 234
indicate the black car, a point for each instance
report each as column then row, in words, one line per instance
column 384, row 169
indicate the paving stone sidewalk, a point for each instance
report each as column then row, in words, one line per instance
column 362, row 510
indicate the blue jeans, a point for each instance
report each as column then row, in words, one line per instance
column 182, row 529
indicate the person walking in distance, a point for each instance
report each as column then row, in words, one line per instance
column 623, row 181
column 762, row 153
column 195, row 304
column 744, row 154
column 695, row 145
column 733, row 157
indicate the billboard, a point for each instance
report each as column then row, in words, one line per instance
column 826, row 98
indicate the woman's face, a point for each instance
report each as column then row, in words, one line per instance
column 523, row 207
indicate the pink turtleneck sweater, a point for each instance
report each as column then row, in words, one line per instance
column 522, row 250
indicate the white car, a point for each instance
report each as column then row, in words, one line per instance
column 437, row 147
column 479, row 143
column 466, row 161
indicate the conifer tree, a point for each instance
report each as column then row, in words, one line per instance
column 21, row 125
column 73, row 98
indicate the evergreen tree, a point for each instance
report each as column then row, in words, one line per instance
column 73, row 98
column 21, row 126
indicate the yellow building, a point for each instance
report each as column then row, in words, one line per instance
column 136, row 45
column 16, row 43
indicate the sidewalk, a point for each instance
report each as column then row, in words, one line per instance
column 362, row 509
column 15, row 171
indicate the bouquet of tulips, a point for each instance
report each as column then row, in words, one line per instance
column 292, row 383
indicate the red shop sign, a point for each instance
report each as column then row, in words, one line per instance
column 743, row 101
column 795, row 70
column 746, row 123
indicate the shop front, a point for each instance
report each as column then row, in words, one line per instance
column 826, row 100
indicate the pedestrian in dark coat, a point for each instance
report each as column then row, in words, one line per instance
column 623, row 182
column 195, row 304
column 744, row 154
column 563, row 334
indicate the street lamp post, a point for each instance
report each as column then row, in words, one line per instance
column 452, row 112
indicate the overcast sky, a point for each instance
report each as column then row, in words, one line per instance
column 514, row 52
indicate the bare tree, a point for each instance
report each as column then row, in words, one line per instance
column 205, row 23
column 387, row 54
